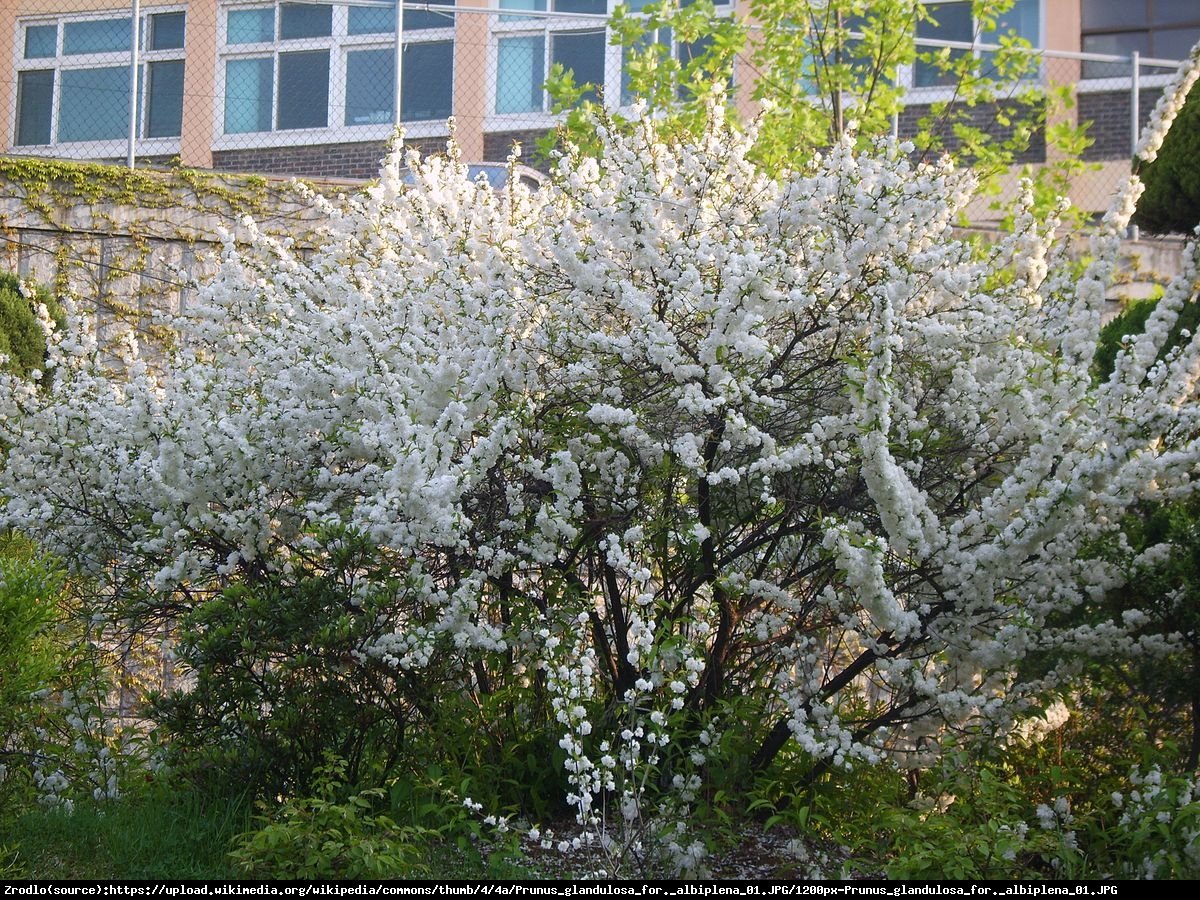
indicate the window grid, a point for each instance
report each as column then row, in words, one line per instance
column 954, row 20
column 525, row 48
column 277, row 57
column 1156, row 29
column 72, row 74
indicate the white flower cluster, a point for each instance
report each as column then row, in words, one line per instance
column 667, row 430
column 1034, row 728
column 1167, row 809
column 1169, row 104
column 87, row 760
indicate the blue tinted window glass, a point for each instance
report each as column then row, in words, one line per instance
column 534, row 5
column 581, row 53
column 599, row 7
column 1020, row 21
column 250, row 26
column 35, row 99
column 370, row 87
column 520, row 74
column 428, row 81
column 166, row 31
column 41, row 41
column 97, row 36
column 94, row 105
column 950, row 22
column 372, row 20
column 300, row 20
column 418, row 19
column 249, row 87
column 304, row 89
column 164, row 118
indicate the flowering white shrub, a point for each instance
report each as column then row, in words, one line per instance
column 665, row 439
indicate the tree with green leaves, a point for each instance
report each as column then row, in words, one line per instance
column 1171, row 202
column 1158, row 549
column 22, row 338
column 825, row 68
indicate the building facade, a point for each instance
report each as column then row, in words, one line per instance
column 309, row 88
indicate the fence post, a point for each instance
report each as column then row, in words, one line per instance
column 399, row 73
column 896, row 114
column 1135, row 100
column 1135, row 115
column 134, row 16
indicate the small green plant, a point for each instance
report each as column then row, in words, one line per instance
column 1132, row 322
column 30, row 587
column 22, row 340
column 11, row 863
column 984, row 833
column 1171, row 202
column 329, row 835
column 1156, row 832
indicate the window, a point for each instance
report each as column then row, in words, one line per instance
column 570, row 34
column 292, row 67
column 73, row 80
column 1161, row 29
column 953, row 20
column 528, row 46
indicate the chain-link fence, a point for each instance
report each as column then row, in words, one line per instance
column 314, row 89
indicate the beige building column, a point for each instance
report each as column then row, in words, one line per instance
column 744, row 77
column 1062, row 21
column 8, row 66
column 471, row 76
column 200, row 101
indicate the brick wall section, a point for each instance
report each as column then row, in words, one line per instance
column 1109, row 112
column 317, row 160
column 497, row 145
column 982, row 116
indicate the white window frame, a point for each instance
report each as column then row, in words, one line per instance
column 906, row 76
column 1113, row 83
column 61, row 62
column 339, row 44
column 513, row 23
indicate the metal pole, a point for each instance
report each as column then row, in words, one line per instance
column 399, row 73
column 134, row 16
column 1135, row 115
column 896, row 114
column 1135, row 101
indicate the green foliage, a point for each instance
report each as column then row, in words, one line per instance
column 1029, row 809
column 1154, row 832
column 279, row 679
column 495, row 748
column 970, row 820
column 1131, row 322
column 333, row 834
column 825, row 69
column 1171, row 202
column 277, row 686
column 30, row 657
column 21, row 337
column 29, row 590
column 1166, row 590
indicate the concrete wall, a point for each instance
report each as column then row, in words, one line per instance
column 137, row 245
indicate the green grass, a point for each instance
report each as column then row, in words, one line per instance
column 160, row 833
column 155, row 834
